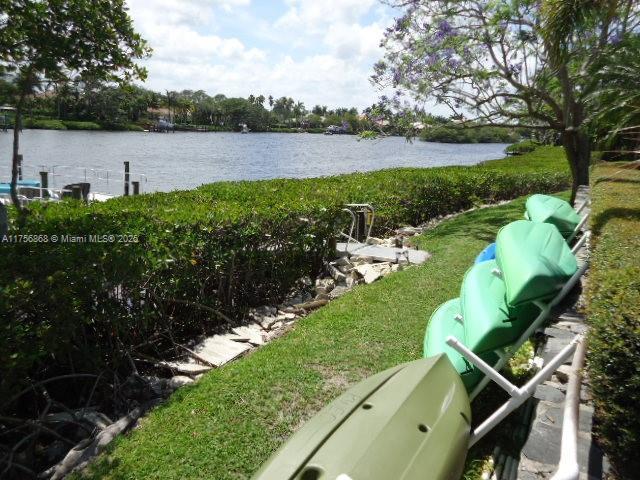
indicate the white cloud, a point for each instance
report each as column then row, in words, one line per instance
column 331, row 66
column 313, row 16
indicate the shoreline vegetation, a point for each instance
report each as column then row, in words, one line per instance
column 82, row 104
column 435, row 134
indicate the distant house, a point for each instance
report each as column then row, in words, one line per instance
column 156, row 113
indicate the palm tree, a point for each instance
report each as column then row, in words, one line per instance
column 299, row 111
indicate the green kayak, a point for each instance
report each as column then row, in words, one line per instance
column 442, row 324
column 553, row 210
column 534, row 259
column 409, row 422
column 489, row 323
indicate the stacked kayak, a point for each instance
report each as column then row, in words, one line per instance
column 553, row 210
column 409, row 422
column 544, row 209
column 500, row 299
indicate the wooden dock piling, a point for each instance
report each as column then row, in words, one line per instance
column 126, row 179
column 44, row 179
column 76, row 192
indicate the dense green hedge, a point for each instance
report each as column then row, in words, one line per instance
column 44, row 124
column 224, row 246
column 613, row 312
column 77, row 125
column 448, row 134
column 522, row 147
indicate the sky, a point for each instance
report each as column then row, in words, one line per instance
column 316, row 51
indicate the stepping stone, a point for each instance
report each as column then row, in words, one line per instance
column 549, row 394
column 190, row 369
column 218, row 350
column 251, row 332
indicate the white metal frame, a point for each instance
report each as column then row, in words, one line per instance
column 568, row 468
column 518, row 394
column 545, row 309
column 580, row 225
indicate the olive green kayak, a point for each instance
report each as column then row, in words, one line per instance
column 444, row 323
column 553, row 210
column 534, row 259
column 489, row 323
column 409, row 422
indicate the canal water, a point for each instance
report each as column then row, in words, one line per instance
column 169, row 161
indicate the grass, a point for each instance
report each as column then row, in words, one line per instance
column 229, row 422
column 541, row 159
column 613, row 312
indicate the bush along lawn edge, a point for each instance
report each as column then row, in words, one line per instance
column 613, row 312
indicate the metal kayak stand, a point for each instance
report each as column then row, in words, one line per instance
column 545, row 310
column 568, row 464
column 582, row 223
column 518, row 394
column 362, row 219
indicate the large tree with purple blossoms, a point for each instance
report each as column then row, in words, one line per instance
column 518, row 63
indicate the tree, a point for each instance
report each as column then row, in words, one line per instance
column 54, row 39
column 507, row 63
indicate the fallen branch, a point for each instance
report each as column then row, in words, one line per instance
column 312, row 305
column 190, row 303
column 80, row 455
column 36, row 425
column 195, row 356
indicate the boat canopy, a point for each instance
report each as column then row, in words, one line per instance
column 534, row 260
column 5, row 188
column 409, row 422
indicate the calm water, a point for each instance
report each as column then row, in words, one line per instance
column 186, row 160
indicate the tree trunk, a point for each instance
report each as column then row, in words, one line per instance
column 578, row 151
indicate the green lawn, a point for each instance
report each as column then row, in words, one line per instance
column 228, row 423
column 540, row 160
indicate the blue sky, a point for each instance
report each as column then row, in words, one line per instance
column 316, row 51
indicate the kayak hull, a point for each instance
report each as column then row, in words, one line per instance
column 489, row 253
column 553, row 210
column 409, row 422
column 489, row 322
column 442, row 324
column 535, row 261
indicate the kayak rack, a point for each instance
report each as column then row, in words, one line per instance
column 545, row 310
column 583, row 221
column 520, row 394
column 357, row 239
